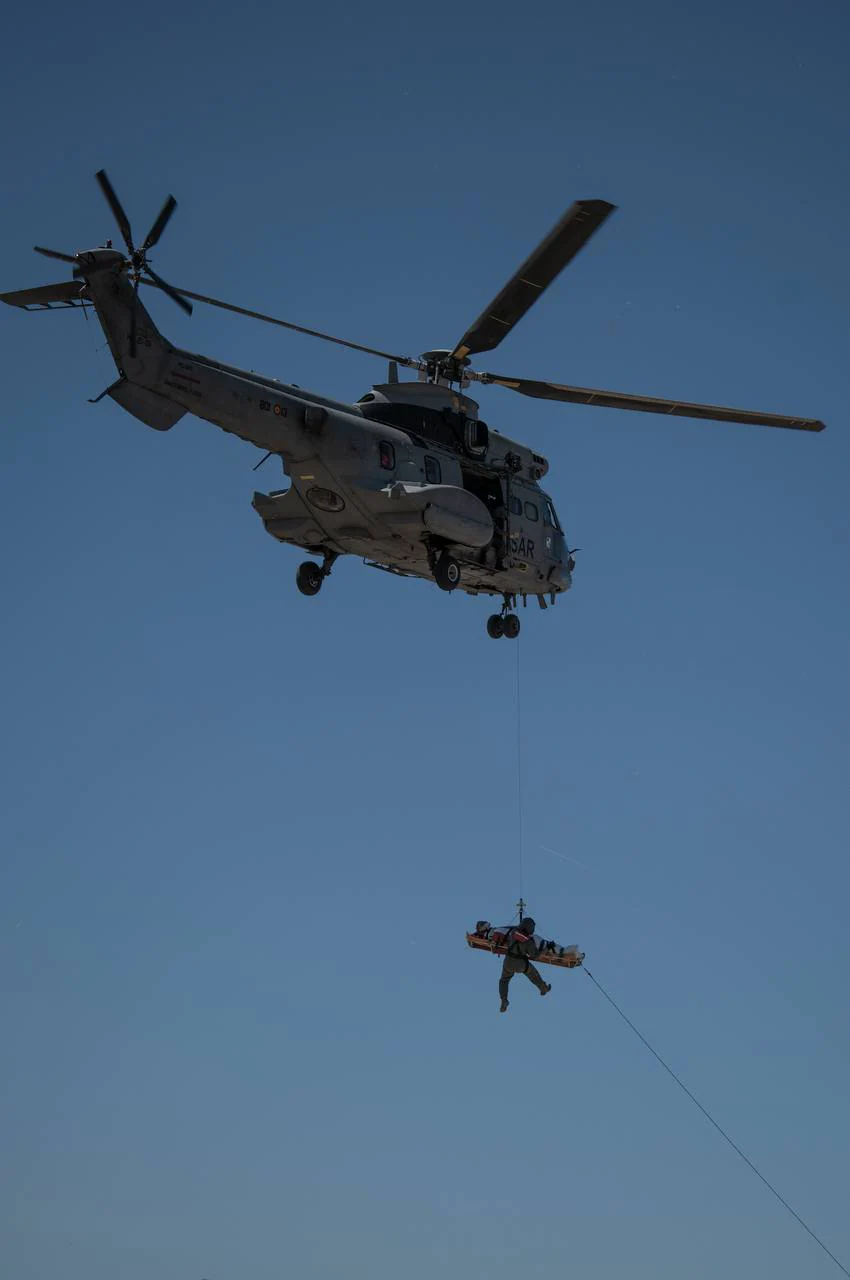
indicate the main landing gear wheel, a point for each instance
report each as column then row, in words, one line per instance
column 309, row 578
column 446, row 572
column 503, row 624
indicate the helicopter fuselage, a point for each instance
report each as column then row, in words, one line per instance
column 409, row 477
column 407, row 474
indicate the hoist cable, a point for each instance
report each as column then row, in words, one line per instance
column 520, row 822
column 712, row 1121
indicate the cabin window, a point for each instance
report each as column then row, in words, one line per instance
column 531, row 511
column 387, row 456
column 516, row 506
column 433, row 474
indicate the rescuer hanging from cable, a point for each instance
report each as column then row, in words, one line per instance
column 522, row 945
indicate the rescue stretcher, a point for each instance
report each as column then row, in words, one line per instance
column 486, row 938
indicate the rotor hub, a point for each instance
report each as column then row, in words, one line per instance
column 441, row 365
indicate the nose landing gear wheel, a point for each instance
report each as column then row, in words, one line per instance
column 510, row 625
column 309, row 578
column 495, row 626
column 446, row 572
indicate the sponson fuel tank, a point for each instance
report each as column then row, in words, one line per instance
column 444, row 510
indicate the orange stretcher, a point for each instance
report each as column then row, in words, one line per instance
column 562, row 957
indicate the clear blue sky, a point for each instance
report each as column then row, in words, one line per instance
column 243, row 832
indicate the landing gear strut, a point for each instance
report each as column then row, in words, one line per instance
column 504, row 623
column 310, row 575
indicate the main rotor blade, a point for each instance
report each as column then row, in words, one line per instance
column 54, row 253
column 169, row 289
column 159, row 226
column 116, row 207
column 537, row 272
column 648, row 404
column 407, row 361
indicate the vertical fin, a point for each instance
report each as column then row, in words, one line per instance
column 138, row 348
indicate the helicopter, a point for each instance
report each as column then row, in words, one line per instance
column 409, row 477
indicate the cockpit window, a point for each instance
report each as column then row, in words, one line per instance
column 549, row 516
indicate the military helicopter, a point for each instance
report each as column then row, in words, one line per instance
column 409, row 478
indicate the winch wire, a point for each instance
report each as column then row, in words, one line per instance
column 712, row 1121
column 520, row 821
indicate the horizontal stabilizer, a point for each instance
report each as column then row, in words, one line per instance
column 561, row 957
column 49, row 297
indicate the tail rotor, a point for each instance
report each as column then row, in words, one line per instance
column 136, row 262
column 54, row 253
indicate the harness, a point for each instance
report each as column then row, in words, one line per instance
column 514, row 951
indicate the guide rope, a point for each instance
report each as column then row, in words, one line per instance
column 712, row 1121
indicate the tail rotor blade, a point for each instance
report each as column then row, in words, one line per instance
column 172, row 293
column 54, row 253
column 159, row 226
column 133, row 321
column 116, row 207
